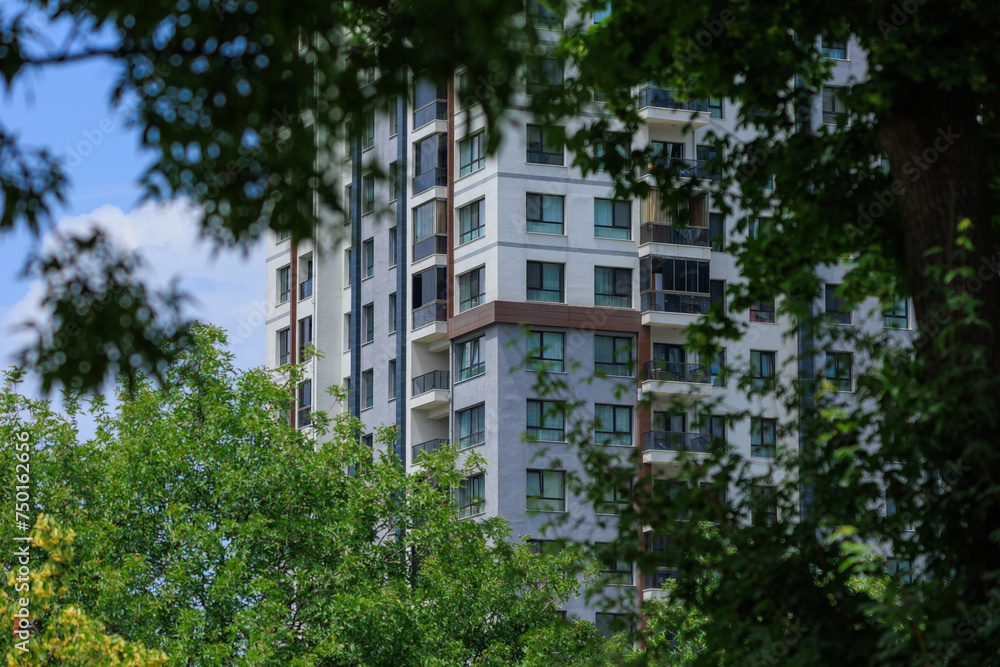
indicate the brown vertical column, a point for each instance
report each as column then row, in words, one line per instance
column 293, row 312
column 450, row 211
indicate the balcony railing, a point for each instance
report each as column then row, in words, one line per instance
column 305, row 289
column 685, row 167
column 675, row 302
column 430, row 178
column 675, row 441
column 436, row 110
column 428, row 446
column 676, row 371
column 435, row 311
column 430, row 381
column 656, row 232
column 436, row 244
column 664, row 98
column 656, row 580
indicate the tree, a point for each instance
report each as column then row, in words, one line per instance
column 208, row 529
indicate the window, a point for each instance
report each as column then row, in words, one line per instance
column 613, row 355
column 764, row 506
column 613, row 502
column 614, row 572
column 369, row 138
column 702, row 155
column 715, row 427
column 393, row 118
column 393, row 181
column 717, row 293
column 543, row 18
column 347, row 331
column 762, row 438
column 612, row 219
column 612, row 287
column 392, row 379
column 715, row 108
column 429, row 102
column 717, row 232
column 545, row 282
column 368, row 250
column 543, row 73
column 761, row 368
column 305, row 404
column 393, row 250
column 470, row 360
column 470, row 154
column 472, row 496
column 545, row 547
column 347, row 268
column 471, row 289
column 611, row 624
column 430, row 228
column 613, row 425
column 306, row 285
column 392, row 313
column 368, row 185
column 547, row 350
column 546, row 490
column 833, row 106
column 832, row 49
column 717, row 369
column 368, row 321
column 305, row 336
column 368, row 388
column 284, row 349
column 430, row 161
column 284, row 284
column 762, row 312
column 892, row 508
column 758, row 227
column 835, row 309
column 348, row 204
column 544, row 213
column 543, row 147
column 674, row 285
column 838, row 370
column 471, row 424
column 545, row 421
column 471, row 221
column 897, row 316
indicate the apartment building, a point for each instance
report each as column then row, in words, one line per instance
column 439, row 283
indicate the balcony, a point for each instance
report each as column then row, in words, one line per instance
column 672, row 309
column 437, row 244
column 428, row 446
column 660, row 106
column 431, row 393
column 305, row 289
column 671, row 378
column 429, row 179
column 430, row 323
column 683, row 167
column 654, row 584
column 657, row 232
column 436, row 110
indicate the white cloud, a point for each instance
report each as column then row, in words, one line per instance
column 228, row 289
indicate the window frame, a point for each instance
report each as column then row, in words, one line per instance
column 284, row 340
column 895, row 314
column 368, row 256
column 303, row 408
column 833, row 306
column 477, row 156
column 473, row 488
column 616, row 368
column 615, row 299
column 391, row 371
column 614, row 434
column 368, row 194
column 760, row 380
column 550, row 365
column 393, row 246
column 540, row 502
column 542, row 73
column 475, row 417
column 476, row 278
column 544, row 153
column 763, row 438
column 836, row 363
column 616, row 206
column 367, row 388
column 472, row 233
column 392, row 312
column 466, row 370
column 305, row 336
column 368, row 141
column 542, row 17
column 540, row 290
column 368, row 323
column 540, row 222
column 284, row 275
column 836, row 109
column 533, row 432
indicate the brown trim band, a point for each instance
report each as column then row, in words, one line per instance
column 544, row 315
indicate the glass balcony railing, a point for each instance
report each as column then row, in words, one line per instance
column 430, row 381
column 435, row 311
column 657, row 232
column 436, row 110
column 428, row 446
column 436, row 244
column 685, row 167
column 675, row 302
column 305, row 289
column 664, row 98
column 430, row 178
column 657, row 580
column 675, row 441
column 676, row 371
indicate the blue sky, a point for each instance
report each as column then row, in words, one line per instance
column 67, row 109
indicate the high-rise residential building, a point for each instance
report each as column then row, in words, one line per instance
column 428, row 297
